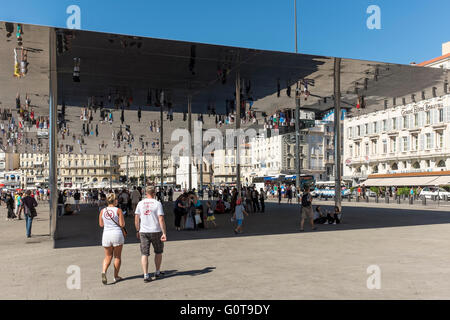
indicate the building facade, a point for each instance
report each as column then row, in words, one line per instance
column 410, row 139
column 74, row 170
column 405, row 139
column 275, row 156
column 150, row 165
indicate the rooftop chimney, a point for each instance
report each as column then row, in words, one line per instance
column 446, row 48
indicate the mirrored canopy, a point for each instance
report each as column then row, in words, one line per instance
column 123, row 76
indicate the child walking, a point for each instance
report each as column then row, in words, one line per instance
column 239, row 215
column 210, row 218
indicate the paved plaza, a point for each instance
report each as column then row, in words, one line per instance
column 271, row 260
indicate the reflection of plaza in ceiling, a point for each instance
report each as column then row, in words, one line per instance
column 124, row 81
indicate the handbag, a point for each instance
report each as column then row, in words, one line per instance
column 124, row 230
column 198, row 220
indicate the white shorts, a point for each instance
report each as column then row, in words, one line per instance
column 112, row 239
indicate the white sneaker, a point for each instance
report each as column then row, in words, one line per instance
column 334, row 222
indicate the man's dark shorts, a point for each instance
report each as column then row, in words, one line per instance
column 151, row 238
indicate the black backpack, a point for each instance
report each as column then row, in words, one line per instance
column 305, row 202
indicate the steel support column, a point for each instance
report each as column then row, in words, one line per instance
column 297, row 140
column 337, row 133
column 145, row 170
column 238, row 129
column 110, row 171
column 201, row 162
column 161, row 148
column 53, row 105
column 190, row 141
column 127, row 169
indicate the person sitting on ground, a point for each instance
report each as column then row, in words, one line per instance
column 336, row 218
column 319, row 217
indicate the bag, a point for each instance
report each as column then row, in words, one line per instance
column 124, row 230
column 198, row 220
column 30, row 211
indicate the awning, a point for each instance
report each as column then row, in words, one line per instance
column 407, row 181
column 442, row 181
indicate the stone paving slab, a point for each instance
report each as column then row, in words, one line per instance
column 272, row 260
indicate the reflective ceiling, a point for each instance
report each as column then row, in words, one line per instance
column 121, row 74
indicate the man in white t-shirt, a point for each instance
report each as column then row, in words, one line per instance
column 151, row 229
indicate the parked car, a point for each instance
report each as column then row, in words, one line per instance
column 429, row 192
column 328, row 193
column 369, row 193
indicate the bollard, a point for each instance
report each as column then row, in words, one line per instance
column 376, row 198
column 424, row 201
column 367, row 199
column 386, row 198
column 445, row 197
column 349, row 198
column 411, row 200
column 357, row 198
column 399, row 199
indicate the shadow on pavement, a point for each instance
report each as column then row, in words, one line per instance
column 83, row 230
column 176, row 273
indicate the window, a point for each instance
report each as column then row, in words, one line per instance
column 416, row 165
column 359, row 131
column 366, row 128
column 440, row 140
column 367, row 148
column 428, row 140
column 416, row 120
column 350, row 150
column 441, row 115
column 374, row 147
column 384, row 125
column 393, row 145
column 375, row 128
column 441, row 164
column 415, row 142
column 427, row 163
column 405, row 144
column 357, row 149
column 394, row 166
column 384, row 146
column 394, row 123
column 428, row 117
column 405, row 122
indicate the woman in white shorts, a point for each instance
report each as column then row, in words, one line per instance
column 112, row 221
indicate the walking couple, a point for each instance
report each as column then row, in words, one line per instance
column 151, row 230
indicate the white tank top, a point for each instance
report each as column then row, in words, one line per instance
column 108, row 214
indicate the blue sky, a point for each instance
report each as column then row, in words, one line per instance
column 412, row 30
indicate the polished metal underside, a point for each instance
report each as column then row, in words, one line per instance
column 131, row 67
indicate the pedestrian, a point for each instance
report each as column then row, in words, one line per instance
column 307, row 211
column 76, row 198
column 238, row 215
column 262, row 196
column 289, row 194
column 113, row 223
column 279, row 195
column 29, row 205
column 210, row 218
column 255, row 201
column 179, row 210
column 151, row 229
column 10, row 206
column 135, row 198
column 18, row 205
